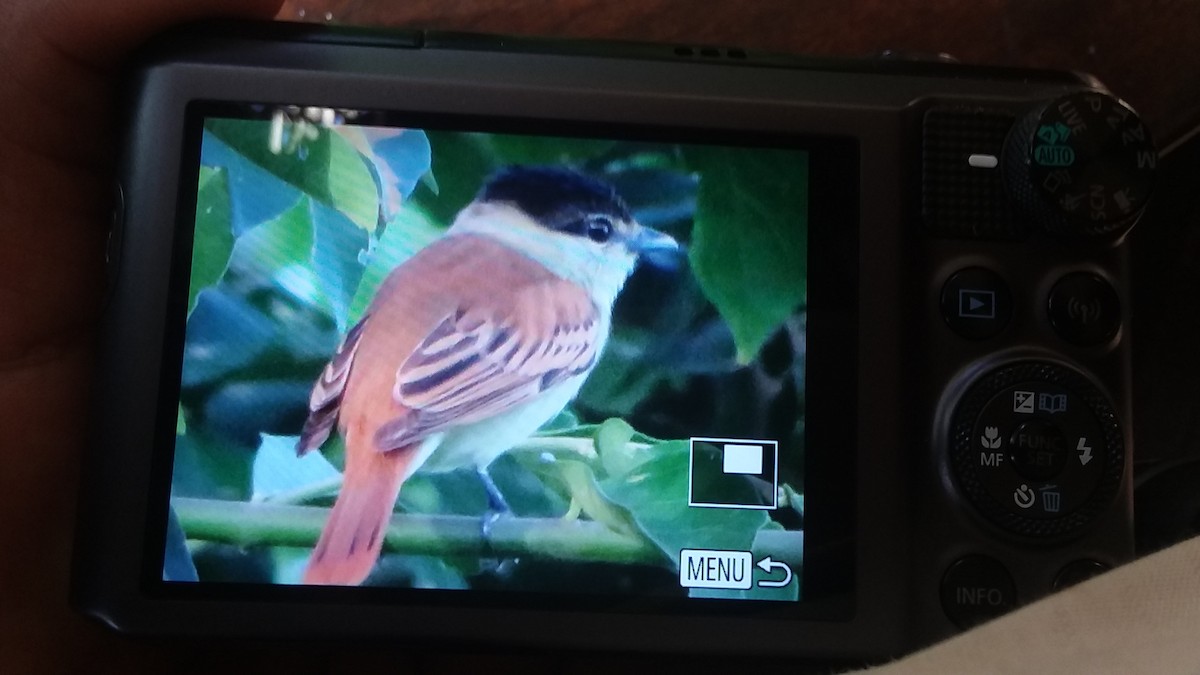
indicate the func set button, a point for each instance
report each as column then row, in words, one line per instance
column 1037, row 450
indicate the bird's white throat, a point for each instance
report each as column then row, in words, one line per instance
column 601, row 269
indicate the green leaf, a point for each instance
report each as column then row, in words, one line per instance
column 336, row 259
column 408, row 233
column 453, row 492
column 525, row 490
column 568, row 431
column 177, row 560
column 586, row 493
column 400, row 159
column 210, row 468
column 265, row 250
column 613, row 445
column 563, row 420
column 352, row 190
column 656, row 495
column 790, row 499
column 277, row 470
column 749, row 243
column 461, row 162
column 334, row 451
column 622, row 379
column 289, row 564
column 285, row 252
column 565, row 470
column 513, row 149
column 325, row 167
column 213, row 239
column 416, row 571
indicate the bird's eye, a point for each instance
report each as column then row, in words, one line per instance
column 598, row 228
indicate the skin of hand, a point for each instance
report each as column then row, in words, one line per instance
column 57, row 148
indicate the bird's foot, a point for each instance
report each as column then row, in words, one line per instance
column 491, row 562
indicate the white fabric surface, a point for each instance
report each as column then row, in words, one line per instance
column 1143, row 617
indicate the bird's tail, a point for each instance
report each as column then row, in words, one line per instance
column 353, row 535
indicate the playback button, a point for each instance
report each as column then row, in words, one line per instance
column 976, row 303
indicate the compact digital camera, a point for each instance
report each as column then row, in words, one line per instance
column 576, row 345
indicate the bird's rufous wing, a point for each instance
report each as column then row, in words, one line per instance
column 326, row 398
column 480, row 361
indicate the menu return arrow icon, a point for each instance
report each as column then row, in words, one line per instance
column 769, row 566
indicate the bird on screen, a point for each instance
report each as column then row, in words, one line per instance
column 469, row 346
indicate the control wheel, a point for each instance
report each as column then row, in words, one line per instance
column 1037, row 449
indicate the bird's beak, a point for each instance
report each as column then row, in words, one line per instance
column 654, row 248
column 647, row 240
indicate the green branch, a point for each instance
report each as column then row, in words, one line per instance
column 267, row 524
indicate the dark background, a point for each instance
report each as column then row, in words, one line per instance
column 1144, row 51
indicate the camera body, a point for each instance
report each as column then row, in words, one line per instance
column 964, row 443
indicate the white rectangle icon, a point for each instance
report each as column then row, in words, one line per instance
column 709, row 489
column 731, row 570
column 742, row 459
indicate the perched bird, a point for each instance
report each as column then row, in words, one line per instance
column 469, row 346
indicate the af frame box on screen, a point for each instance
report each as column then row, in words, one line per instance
column 420, row 335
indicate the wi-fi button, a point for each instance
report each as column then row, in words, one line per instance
column 1084, row 309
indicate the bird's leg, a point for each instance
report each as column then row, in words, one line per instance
column 496, row 503
column 497, row 507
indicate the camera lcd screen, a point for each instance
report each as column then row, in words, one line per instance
column 461, row 358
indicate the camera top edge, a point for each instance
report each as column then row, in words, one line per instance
column 886, row 62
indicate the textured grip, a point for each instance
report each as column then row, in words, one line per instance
column 959, row 200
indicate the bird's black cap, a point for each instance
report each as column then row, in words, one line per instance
column 557, row 197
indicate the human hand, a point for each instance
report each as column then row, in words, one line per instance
column 57, row 149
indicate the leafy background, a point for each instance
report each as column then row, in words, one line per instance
column 299, row 220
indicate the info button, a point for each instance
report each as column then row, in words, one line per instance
column 975, row 589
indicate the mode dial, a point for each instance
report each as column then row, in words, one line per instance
column 1082, row 163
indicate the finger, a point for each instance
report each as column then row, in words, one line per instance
column 61, row 55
